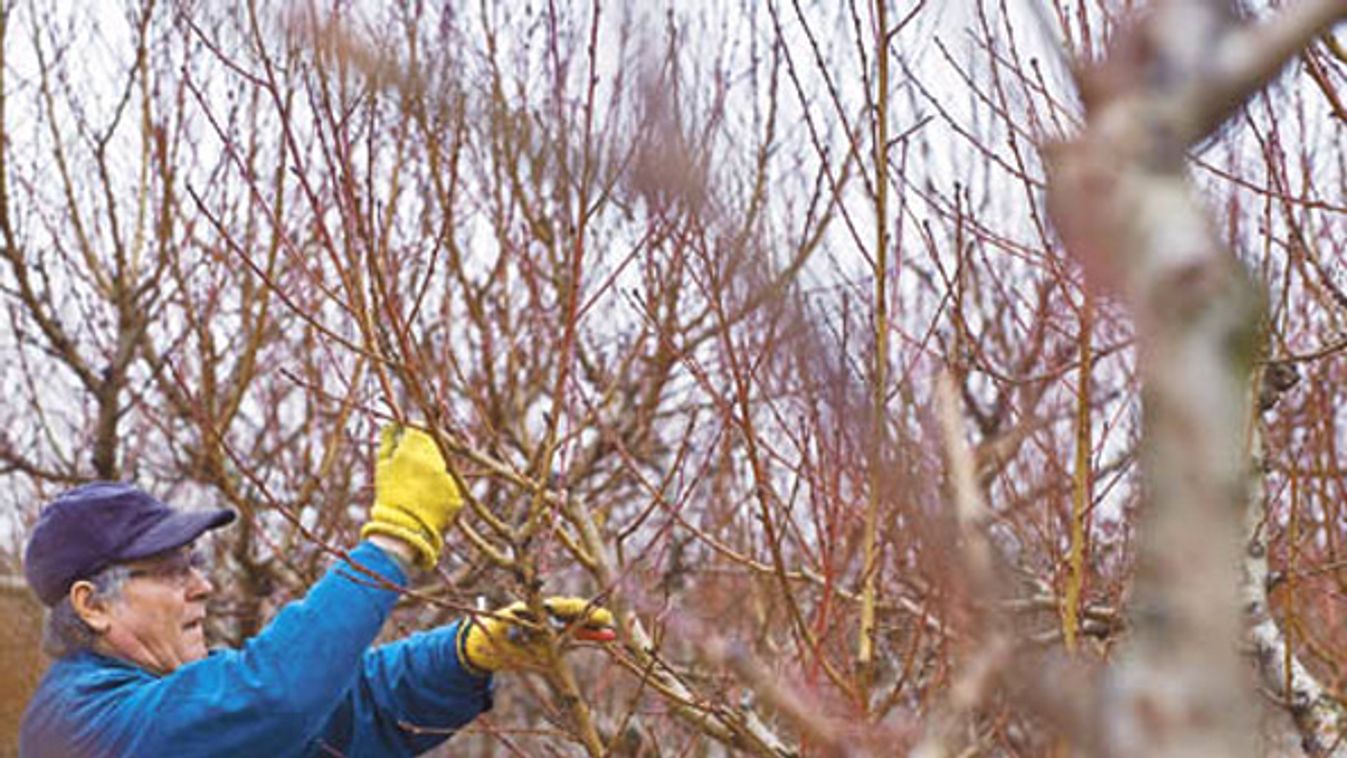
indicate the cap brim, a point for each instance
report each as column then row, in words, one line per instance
column 174, row 532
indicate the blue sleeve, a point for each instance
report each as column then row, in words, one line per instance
column 274, row 696
column 411, row 696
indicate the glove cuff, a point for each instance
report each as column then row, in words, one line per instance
column 404, row 519
column 465, row 630
column 428, row 553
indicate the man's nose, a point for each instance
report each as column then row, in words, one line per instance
column 198, row 584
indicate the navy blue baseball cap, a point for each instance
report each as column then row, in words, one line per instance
column 93, row 526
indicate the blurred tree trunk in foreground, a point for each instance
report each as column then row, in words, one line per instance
column 1122, row 200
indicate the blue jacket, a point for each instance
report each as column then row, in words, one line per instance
column 308, row 684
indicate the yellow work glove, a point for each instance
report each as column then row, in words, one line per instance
column 511, row 639
column 414, row 496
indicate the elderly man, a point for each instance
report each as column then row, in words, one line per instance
column 133, row 677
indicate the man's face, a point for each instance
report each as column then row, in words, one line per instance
column 157, row 621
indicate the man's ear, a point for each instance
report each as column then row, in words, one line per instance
column 94, row 610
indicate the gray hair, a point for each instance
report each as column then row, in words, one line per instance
column 64, row 632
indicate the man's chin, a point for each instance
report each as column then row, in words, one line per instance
column 194, row 649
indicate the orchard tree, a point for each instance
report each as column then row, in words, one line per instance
column 909, row 377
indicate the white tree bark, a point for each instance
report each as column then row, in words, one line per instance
column 1318, row 716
